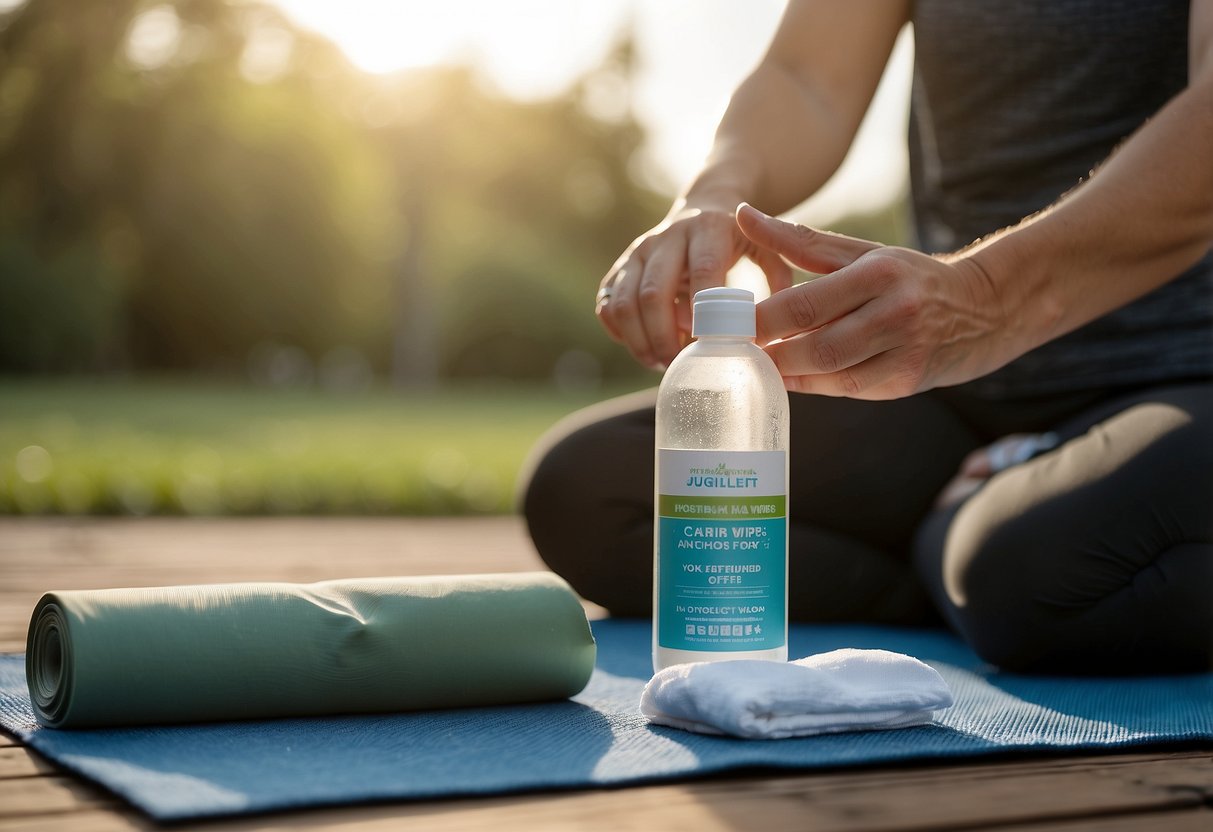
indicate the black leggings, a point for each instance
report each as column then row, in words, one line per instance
column 1095, row 557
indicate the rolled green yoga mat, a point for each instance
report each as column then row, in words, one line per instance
column 255, row 650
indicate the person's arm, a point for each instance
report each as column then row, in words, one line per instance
column 790, row 123
column 1142, row 217
column 786, row 130
column 890, row 322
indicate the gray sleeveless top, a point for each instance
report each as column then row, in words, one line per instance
column 1013, row 104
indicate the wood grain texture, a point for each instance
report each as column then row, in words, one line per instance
column 16, row 761
column 1116, row 792
column 1168, row 788
column 48, row 794
column 84, row 820
column 1198, row 820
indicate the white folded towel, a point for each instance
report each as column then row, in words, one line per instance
column 844, row 690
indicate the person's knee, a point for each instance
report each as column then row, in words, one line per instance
column 1010, row 573
column 584, row 452
column 557, row 498
column 996, row 602
column 587, row 502
column 547, row 482
column 1033, row 602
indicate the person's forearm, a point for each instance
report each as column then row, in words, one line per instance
column 1142, row 218
column 790, row 123
column 777, row 143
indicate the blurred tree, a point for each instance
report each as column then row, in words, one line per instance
column 200, row 185
column 524, row 207
column 217, row 210
column 183, row 181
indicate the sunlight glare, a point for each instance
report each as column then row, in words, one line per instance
column 154, row 37
column 382, row 36
column 528, row 47
column 690, row 58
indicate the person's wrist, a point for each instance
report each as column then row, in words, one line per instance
column 721, row 201
column 1004, row 278
column 726, row 181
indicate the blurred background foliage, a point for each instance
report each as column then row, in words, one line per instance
column 200, row 188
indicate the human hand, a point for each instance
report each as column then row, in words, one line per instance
column 984, row 463
column 881, row 323
column 644, row 302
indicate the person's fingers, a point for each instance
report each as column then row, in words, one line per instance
column 848, row 341
column 882, row 276
column 959, row 489
column 630, row 262
column 644, row 302
column 684, row 316
column 984, row 463
column 1018, row 448
column 710, row 254
column 621, row 312
column 602, row 304
column 776, row 269
column 977, row 464
column 659, row 284
column 878, row 378
column 1006, row 452
column 816, row 251
column 811, row 305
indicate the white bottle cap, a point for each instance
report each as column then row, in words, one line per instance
column 723, row 311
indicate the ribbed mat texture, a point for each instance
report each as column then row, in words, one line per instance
column 596, row 738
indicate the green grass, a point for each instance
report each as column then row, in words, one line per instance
column 100, row 447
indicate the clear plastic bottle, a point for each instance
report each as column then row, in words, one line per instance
column 720, row 538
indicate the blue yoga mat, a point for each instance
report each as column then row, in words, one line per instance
column 596, row 738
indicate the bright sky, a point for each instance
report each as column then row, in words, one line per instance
column 692, row 53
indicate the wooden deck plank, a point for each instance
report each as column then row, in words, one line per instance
column 1199, row 820
column 90, row 820
column 49, row 794
column 1182, row 821
column 935, row 797
column 16, row 761
column 1152, row 790
column 252, row 549
column 913, row 798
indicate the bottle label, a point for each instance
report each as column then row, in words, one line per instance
column 721, row 550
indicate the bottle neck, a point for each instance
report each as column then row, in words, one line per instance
column 725, row 339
